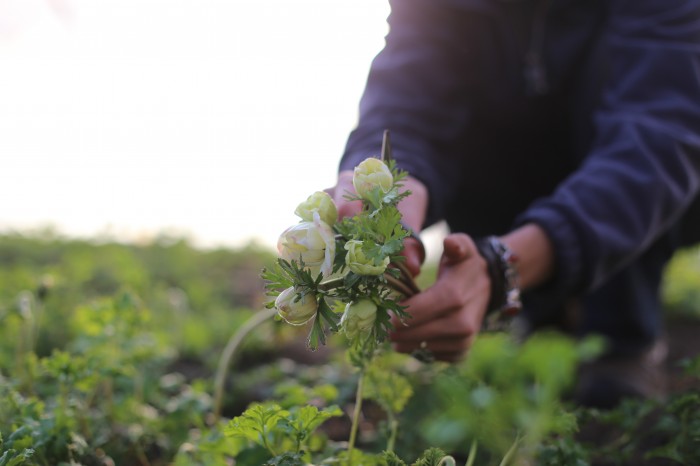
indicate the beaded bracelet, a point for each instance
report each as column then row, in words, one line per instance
column 500, row 260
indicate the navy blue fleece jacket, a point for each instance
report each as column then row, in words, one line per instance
column 582, row 116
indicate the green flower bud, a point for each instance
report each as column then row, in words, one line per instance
column 358, row 318
column 311, row 242
column 357, row 262
column 296, row 312
column 320, row 202
column 370, row 174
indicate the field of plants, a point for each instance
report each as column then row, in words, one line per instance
column 122, row 354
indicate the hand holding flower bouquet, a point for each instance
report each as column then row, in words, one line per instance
column 348, row 276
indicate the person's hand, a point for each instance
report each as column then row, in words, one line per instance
column 447, row 316
column 340, row 190
column 413, row 210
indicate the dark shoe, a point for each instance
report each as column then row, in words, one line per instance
column 604, row 383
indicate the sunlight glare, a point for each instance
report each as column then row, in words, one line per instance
column 213, row 118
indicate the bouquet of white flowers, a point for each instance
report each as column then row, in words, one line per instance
column 346, row 275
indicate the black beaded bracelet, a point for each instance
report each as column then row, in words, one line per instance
column 500, row 260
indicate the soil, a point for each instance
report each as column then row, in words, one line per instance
column 683, row 337
column 684, row 342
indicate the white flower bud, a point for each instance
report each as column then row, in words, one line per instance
column 320, row 202
column 358, row 318
column 311, row 242
column 371, row 174
column 296, row 312
column 357, row 262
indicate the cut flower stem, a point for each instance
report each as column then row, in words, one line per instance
column 407, row 277
column 399, row 286
column 356, row 413
column 404, row 285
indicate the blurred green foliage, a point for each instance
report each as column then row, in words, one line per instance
column 106, row 391
column 107, row 353
column 108, row 347
column 681, row 283
column 186, row 289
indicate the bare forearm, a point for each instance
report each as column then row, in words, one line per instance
column 415, row 206
column 535, row 254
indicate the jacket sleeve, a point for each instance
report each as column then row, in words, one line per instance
column 416, row 88
column 644, row 167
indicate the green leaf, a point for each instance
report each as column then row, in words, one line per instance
column 254, row 456
column 358, row 458
column 388, row 224
column 375, row 198
column 326, row 313
column 391, row 247
column 306, row 419
column 388, row 388
column 316, row 336
column 391, row 459
column 351, row 279
column 562, row 452
column 287, row 459
column 256, row 422
column 13, row 458
column 293, row 393
column 277, row 278
column 431, row 457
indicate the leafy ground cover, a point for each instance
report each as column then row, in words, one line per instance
column 108, row 354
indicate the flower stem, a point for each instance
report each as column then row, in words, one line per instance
column 386, row 147
column 398, row 285
column 512, row 451
column 407, row 277
column 331, row 284
column 267, row 444
column 472, row 454
column 393, row 428
column 356, row 413
column 230, row 350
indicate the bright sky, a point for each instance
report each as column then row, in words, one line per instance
column 210, row 117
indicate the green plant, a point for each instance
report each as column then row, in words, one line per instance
column 13, row 457
column 314, row 280
column 104, row 392
column 282, row 432
column 645, row 430
column 680, row 291
column 92, row 375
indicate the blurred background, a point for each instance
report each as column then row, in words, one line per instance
column 210, row 119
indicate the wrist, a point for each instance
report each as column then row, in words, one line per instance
column 535, row 253
column 501, row 267
column 414, row 207
column 420, row 246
